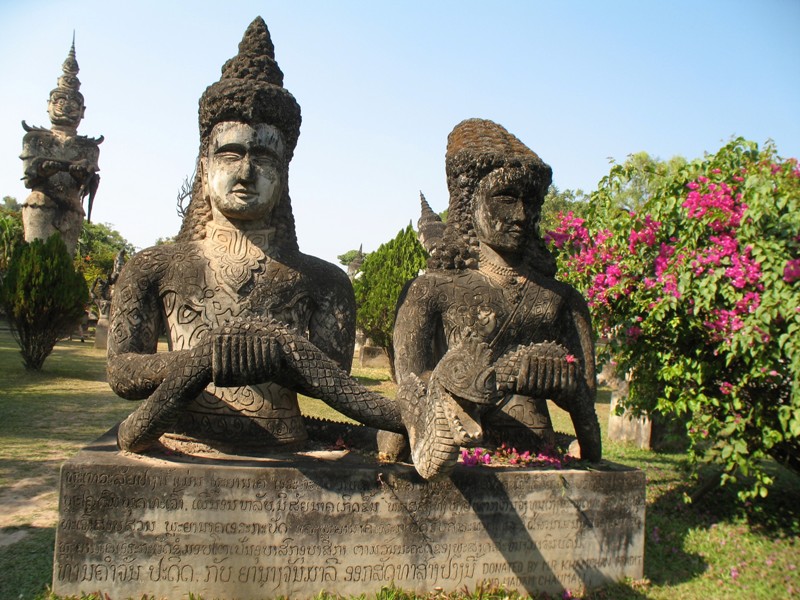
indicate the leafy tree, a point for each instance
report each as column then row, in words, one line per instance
column 348, row 257
column 43, row 296
column 699, row 294
column 11, row 231
column 558, row 202
column 98, row 246
column 378, row 285
column 10, row 205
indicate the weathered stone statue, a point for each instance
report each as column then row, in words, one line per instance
column 487, row 334
column 250, row 320
column 101, row 293
column 60, row 165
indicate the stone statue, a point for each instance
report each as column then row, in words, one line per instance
column 60, row 166
column 250, row 320
column 101, row 293
column 487, row 334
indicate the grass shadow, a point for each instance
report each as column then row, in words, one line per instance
column 22, row 563
column 370, row 381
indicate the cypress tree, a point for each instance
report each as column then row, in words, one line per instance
column 43, row 297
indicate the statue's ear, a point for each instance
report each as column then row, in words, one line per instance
column 202, row 164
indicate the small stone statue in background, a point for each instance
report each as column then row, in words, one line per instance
column 60, row 166
column 250, row 320
column 487, row 335
column 101, row 294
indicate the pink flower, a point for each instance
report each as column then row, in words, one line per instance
column 791, row 272
column 476, row 457
column 725, row 387
column 633, row 332
column 569, row 358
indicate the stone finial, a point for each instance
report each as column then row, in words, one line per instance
column 69, row 82
column 256, row 57
column 430, row 226
column 251, row 89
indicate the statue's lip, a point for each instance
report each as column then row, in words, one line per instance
column 241, row 192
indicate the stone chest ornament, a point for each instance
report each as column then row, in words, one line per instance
column 60, row 166
column 250, row 320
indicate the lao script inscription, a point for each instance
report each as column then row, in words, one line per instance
column 131, row 525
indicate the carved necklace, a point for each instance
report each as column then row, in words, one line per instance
column 513, row 284
column 506, row 277
column 237, row 254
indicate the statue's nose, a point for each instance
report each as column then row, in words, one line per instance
column 246, row 168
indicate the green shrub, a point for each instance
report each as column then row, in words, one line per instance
column 43, row 297
column 379, row 283
column 699, row 294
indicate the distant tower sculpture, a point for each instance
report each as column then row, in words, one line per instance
column 355, row 264
column 430, row 226
column 60, row 166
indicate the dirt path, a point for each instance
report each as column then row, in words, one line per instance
column 32, row 502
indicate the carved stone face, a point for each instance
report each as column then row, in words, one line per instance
column 244, row 172
column 507, row 204
column 65, row 109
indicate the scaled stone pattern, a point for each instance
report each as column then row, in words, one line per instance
column 487, row 335
column 60, row 166
column 166, row 526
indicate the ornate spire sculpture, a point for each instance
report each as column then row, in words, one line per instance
column 430, row 225
column 60, row 166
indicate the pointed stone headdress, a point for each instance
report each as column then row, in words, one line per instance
column 251, row 89
column 68, row 82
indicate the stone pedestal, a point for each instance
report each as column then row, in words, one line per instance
column 626, row 427
column 228, row 527
column 101, row 333
column 373, row 357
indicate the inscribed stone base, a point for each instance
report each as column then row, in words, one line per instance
column 293, row 525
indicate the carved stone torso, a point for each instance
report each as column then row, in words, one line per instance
column 521, row 312
column 441, row 308
column 202, row 285
column 55, row 204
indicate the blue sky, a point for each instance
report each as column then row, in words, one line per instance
column 381, row 84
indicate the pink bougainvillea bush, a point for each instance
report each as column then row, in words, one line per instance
column 698, row 295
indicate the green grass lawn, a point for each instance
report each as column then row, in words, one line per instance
column 712, row 549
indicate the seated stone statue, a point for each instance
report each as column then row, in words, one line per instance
column 250, row 320
column 487, row 334
column 60, row 166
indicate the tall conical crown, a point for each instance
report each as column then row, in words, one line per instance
column 68, row 82
column 251, row 89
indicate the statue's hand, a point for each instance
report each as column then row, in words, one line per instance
column 79, row 169
column 547, row 376
column 50, row 167
column 540, row 370
column 243, row 354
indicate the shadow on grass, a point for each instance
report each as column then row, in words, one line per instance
column 777, row 515
column 670, row 520
column 24, row 565
column 369, row 381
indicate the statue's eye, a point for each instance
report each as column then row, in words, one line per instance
column 506, row 199
column 228, row 156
